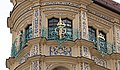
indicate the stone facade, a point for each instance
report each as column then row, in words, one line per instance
column 64, row 35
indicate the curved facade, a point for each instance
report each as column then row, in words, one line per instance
column 64, row 35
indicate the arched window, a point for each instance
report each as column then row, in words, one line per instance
column 52, row 28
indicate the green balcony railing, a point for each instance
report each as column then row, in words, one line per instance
column 103, row 47
column 53, row 35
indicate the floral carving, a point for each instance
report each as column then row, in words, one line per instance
column 67, row 51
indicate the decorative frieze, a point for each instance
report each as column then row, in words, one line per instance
column 99, row 61
column 60, row 50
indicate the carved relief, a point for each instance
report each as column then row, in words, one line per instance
column 118, row 39
column 47, row 66
column 74, row 66
column 40, row 25
column 35, row 65
column 85, row 66
column 34, row 50
column 67, row 51
column 40, row 66
column 24, row 58
column 99, row 61
column 84, row 25
column 37, row 23
column 84, row 51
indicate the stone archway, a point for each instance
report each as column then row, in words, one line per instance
column 60, row 68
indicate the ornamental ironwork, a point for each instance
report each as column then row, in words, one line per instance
column 60, row 30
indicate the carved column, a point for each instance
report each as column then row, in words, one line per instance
column 117, row 37
column 37, row 23
column 84, row 24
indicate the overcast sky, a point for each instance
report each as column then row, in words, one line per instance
column 5, row 36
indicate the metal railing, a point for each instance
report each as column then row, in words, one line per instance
column 106, row 48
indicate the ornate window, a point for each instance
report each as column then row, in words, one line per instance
column 57, row 24
column 92, row 34
column 28, row 32
column 102, row 42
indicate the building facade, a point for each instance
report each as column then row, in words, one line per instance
column 64, row 35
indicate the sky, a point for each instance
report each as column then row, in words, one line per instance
column 5, row 35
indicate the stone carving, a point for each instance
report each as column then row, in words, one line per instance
column 99, row 61
column 40, row 66
column 74, row 66
column 48, row 65
column 34, row 50
column 35, row 23
column 85, row 66
column 35, row 65
column 24, row 58
column 118, row 39
column 86, row 52
column 84, row 24
column 40, row 28
column 67, row 51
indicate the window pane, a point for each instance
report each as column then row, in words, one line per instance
column 92, row 34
